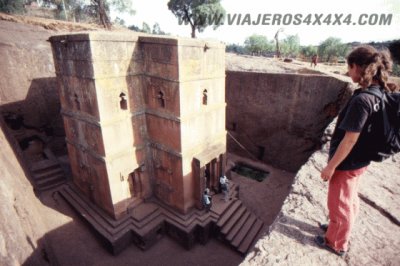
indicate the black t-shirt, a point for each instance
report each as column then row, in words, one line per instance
column 354, row 118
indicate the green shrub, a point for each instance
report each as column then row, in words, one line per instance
column 12, row 6
column 396, row 70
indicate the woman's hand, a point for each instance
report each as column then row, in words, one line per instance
column 327, row 173
column 344, row 148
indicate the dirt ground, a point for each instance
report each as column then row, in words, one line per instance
column 54, row 25
column 263, row 64
column 263, row 198
column 234, row 62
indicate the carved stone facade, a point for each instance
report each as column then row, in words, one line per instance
column 144, row 116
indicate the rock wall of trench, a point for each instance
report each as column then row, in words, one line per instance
column 28, row 91
column 22, row 227
column 27, row 76
column 29, row 98
column 280, row 118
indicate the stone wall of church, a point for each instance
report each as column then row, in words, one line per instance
column 138, row 110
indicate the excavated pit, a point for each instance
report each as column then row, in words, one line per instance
column 275, row 120
column 276, row 117
column 279, row 118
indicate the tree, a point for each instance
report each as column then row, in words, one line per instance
column 396, row 70
column 102, row 8
column 75, row 10
column 278, row 50
column 12, row 6
column 256, row 44
column 332, row 47
column 235, row 48
column 119, row 21
column 157, row 29
column 291, row 45
column 122, row 6
column 95, row 10
column 134, row 28
column 308, row 51
column 394, row 48
column 146, row 28
column 198, row 13
column 102, row 11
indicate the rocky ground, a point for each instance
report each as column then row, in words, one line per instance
column 246, row 63
column 51, row 24
column 262, row 64
column 376, row 236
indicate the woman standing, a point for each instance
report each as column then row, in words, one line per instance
column 370, row 69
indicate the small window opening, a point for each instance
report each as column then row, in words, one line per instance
column 123, row 104
column 76, row 101
column 205, row 97
column 159, row 232
column 64, row 42
column 161, row 99
column 261, row 152
column 132, row 185
column 234, row 126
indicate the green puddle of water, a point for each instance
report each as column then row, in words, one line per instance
column 250, row 172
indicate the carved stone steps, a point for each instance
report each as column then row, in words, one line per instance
column 240, row 236
column 239, row 227
column 236, row 228
column 233, row 220
column 139, row 222
column 50, row 181
column 82, row 208
column 44, row 164
column 228, row 213
column 149, row 221
column 47, row 174
column 250, row 238
column 116, row 235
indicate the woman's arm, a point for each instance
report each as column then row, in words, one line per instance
column 344, row 148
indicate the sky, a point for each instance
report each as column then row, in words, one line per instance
column 370, row 12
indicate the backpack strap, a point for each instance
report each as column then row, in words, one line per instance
column 380, row 94
column 376, row 91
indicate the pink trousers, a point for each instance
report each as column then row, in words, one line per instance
column 343, row 206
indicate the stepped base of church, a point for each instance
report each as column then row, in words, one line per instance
column 230, row 222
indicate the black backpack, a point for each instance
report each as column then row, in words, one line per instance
column 383, row 130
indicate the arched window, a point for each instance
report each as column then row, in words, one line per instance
column 123, row 103
column 205, row 97
column 161, row 99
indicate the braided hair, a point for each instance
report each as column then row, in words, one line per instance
column 375, row 65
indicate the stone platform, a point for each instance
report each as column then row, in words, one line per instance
column 230, row 222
